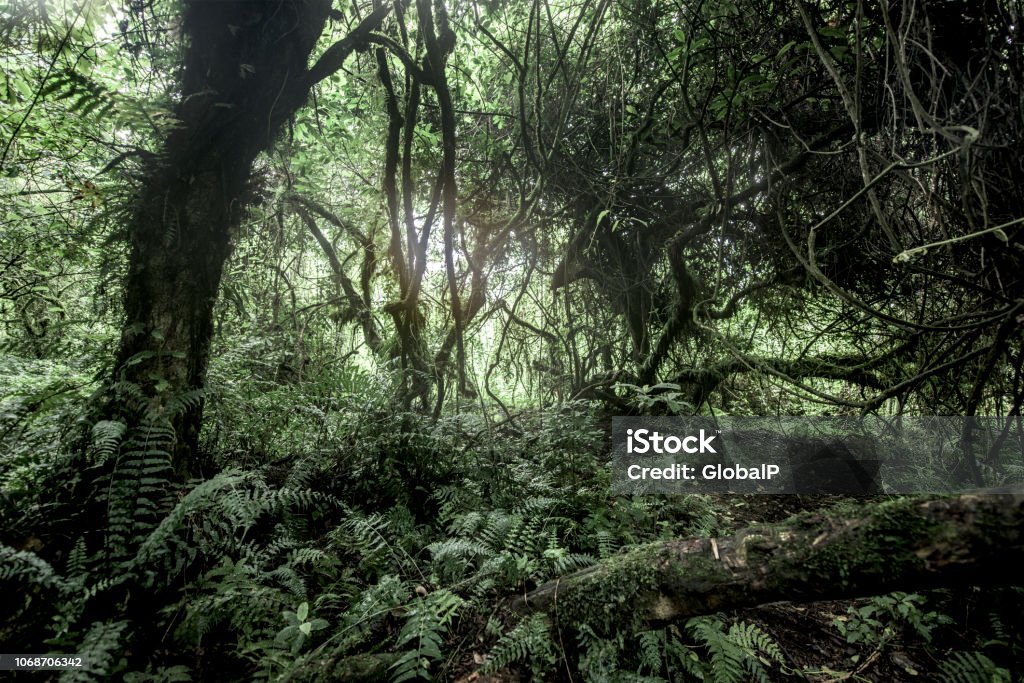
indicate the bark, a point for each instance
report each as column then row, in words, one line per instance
column 901, row 544
column 853, row 370
column 245, row 73
column 359, row 307
column 440, row 40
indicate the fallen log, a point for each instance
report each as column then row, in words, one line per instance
column 362, row 668
column 853, row 550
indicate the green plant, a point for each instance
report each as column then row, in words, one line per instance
column 885, row 616
column 422, row 633
column 662, row 397
column 971, row 667
column 529, row 643
column 298, row 628
column 740, row 653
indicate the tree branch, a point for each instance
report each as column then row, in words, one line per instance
column 334, row 57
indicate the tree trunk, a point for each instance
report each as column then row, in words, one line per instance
column 900, row 544
column 245, row 73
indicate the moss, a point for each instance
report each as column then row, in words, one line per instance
column 844, row 550
column 616, row 596
column 883, row 545
column 632, row 587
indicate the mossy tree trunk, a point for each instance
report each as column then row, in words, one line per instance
column 245, row 73
column 901, row 544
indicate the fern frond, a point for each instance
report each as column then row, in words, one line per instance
column 99, row 649
column 106, row 437
column 22, row 568
column 423, row 630
column 529, row 641
column 372, row 536
column 606, row 544
column 652, row 643
column 752, row 638
column 727, row 665
column 972, row 667
column 184, row 401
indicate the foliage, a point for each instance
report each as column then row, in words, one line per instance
column 271, row 570
column 966, row 667
column 529, row 643
column 663, row 396
column 740, row 653
column 882, row 618
column 421, row 635
column 496, row 225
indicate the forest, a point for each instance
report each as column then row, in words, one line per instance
column 319, row 320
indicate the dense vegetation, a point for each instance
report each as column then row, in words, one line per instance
column 312, row 318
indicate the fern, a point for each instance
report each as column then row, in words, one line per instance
column 423, row 630
column 701, row 512
column 454, row 499
column 372, row 535
column 651, row 646
column 529, row 642
column 232, row 595
column 214, row 518
column 563, row 562
column 606, row 544
column 972, row 667
column 91, row 99
column 735, row 655
column 726, row 657
column 100, row 649
column 140, row 486
column 599, row 656
column 19, row 568
column 88, row 96
column 165, row 544
column 365, row 615
column 753, row 639
column 505, row 548
column 289, row 579
column 184, row 401
column 106, row 438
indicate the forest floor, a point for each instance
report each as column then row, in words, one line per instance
column 349, row 533
column 807, row 633
column 876, row 647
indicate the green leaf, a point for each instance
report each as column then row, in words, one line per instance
column 785, row 48
column 22, row 87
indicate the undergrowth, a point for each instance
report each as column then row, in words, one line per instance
column 344, row 537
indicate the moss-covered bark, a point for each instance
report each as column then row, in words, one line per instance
column 900, row 544
column 245, row 74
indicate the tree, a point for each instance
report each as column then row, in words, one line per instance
column 245, row 73
column 681, row 207
column 753, row 169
